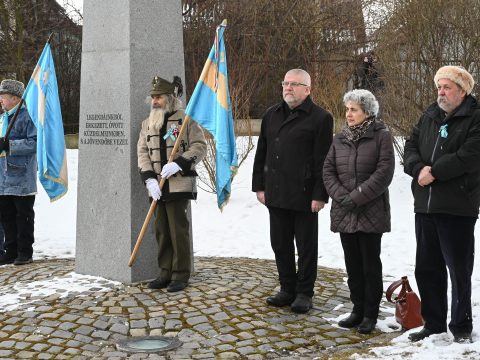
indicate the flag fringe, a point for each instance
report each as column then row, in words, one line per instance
column 227, row 197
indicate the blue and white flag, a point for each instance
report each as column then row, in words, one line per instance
column 210, row 106
column 43, row 105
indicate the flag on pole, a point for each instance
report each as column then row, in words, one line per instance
column 43, row 105
column 210, row 106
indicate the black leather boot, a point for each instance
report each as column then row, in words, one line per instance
column 420, row 335
column 302, row 304
column 353, row 320
column 176, row 285
column 282, row 298
column 367, row 325
column 158, row 283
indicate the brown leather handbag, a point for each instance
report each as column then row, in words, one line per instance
column 407, row 304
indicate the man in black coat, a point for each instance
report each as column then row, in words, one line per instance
column 287, row 176
column 442, row 155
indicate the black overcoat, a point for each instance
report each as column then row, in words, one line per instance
column 291, row 149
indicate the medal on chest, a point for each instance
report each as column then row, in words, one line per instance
column 172, row 132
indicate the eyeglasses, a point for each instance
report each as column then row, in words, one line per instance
column 292, row 83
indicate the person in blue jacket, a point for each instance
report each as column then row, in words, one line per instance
column 18, row 176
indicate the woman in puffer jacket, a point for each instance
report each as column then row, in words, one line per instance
column 357, row 172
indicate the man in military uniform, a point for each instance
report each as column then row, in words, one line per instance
column 157, row 138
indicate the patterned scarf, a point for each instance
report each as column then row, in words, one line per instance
column 356, row 132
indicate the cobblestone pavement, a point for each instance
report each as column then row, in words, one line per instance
column 221, row 315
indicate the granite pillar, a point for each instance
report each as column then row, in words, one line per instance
column 125, row 43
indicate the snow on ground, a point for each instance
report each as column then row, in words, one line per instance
column 242, row 230
column 60, row 287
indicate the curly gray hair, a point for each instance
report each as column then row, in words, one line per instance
column 365, row 99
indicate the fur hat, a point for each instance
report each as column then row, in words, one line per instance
column 161, row 86
column 12, row 87
column 458, row 75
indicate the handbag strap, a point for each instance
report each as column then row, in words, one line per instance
column 405, row 288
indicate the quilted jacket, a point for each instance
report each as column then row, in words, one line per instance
column 363, row 170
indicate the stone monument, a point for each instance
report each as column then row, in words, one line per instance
column 125, row 43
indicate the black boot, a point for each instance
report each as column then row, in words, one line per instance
column 463, row 338
column 367, row 325
column 7, row 258
column 158, row 283
column 176, row 285
column 353, row 320
column 420, row 335
column 302, row 304
column 282, row 298
column 22, row 260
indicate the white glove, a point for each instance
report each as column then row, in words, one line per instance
column 170, row 169
column 153, row 188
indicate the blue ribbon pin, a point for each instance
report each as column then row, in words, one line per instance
column 443, row 131
column 169, row 134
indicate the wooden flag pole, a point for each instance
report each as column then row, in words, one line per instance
column 14, row 119
column 153, row 205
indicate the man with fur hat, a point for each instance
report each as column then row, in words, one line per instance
column 442, row 155
column 157, row 138
column 18, row 176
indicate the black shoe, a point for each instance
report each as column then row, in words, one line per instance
column 422, row 334
column 7, row 259
column 22, row 260
column 158, row 283
column 282, row 298
column 367, row 325
column 302, row 304
column 463, row 338
column 353, row 320
column 175, row 286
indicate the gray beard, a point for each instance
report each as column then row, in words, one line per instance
column 156, row 118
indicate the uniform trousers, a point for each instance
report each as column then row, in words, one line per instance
column 287, row 228
column 172, row 230
column 18, row 219
column 445, row 241
column 364, row 270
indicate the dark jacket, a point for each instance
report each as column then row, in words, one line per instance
column 363, row 170
column 290, row 153
column 455, row 160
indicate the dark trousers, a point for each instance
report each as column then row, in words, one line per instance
column 2, row 237
column 445, row 241
column 285, row 227
column 364, row 270
column 172, row 230
column 18, row 218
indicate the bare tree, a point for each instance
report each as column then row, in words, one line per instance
column 25, row 26
column 266, row 39
column 412, row 42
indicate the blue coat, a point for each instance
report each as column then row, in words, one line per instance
column 18, row 169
